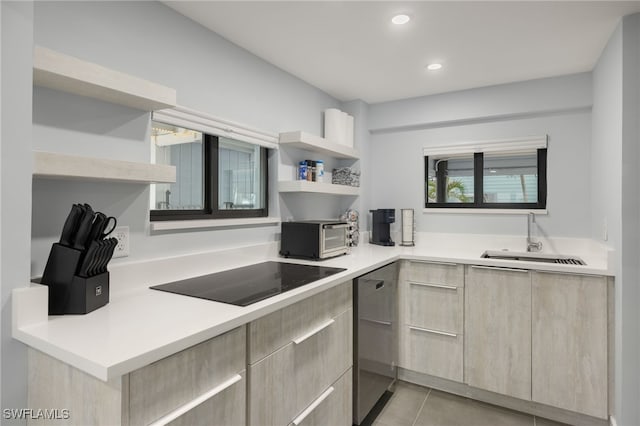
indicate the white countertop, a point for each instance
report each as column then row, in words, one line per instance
column 140, row 326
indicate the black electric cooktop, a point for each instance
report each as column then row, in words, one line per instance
column 249, row 284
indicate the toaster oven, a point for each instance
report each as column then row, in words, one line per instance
column 314, row 239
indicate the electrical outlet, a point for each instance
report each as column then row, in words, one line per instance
column 121, row 233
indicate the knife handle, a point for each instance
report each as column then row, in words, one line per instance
column 88, row 259
column 70, row 225
column 97, row 228
column 84, row 228
column 97, row 259
column 111, row 246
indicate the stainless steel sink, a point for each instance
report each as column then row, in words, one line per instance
column 533, row 257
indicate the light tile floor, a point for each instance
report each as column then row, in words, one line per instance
column 413, row 405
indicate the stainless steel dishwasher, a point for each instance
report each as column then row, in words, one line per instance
column 375, row 343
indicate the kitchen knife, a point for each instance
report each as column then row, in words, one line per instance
column 111, row 246
column 97, row 259
column 97, row 228
column 70, row 225
column 84, row 228
column 103, row 257
column 89, row 259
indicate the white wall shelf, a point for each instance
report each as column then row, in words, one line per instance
column 69, row 74
column 63, row 166
column 317, row 187
column 314, row 143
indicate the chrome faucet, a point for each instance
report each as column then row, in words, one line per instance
column 531, row 245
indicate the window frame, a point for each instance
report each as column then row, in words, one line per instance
column 210, row 146
column 478, row 186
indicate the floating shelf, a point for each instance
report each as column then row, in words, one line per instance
column 316, row 187
column 69, row 74
column 314, row 143
column 63, row 166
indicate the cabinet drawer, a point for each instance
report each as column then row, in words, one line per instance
column 434, row 353
column 165, row 385
column 284, row 383
column 225, row 407
column 436, row 273
column 273, row 331
column 435, row 306
column 333, row 407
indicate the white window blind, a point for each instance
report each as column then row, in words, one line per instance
column 491, row 146
column 202, row 122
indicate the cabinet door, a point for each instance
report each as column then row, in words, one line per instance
column 284, row 383
column 433, row 352
column 332, row 408
column 436, row 273
column 271, row 332
column 162, row 387
column 498, row 330
column 570, row 342
column 436, row 307
column 431, row 335
column 226, row 407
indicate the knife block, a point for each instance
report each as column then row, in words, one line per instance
column 69, row 293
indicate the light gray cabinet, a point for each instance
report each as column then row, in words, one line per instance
column 310, row 347
column 431, row 298
column 570, row 342
column 201, row 385
column 498, row 330
column 332, row 407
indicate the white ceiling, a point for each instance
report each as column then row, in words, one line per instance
column 351, row 50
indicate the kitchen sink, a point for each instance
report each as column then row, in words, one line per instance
column 533, row 257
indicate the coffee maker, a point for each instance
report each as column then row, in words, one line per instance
column 380, row 221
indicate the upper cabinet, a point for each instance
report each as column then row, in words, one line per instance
column 69, row 74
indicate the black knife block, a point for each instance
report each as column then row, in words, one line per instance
column 68, row 292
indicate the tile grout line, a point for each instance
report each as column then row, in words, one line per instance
column 421, row 407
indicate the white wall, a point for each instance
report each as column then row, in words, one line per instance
column 558, row 107
column 495, row 103
column 149, row 40
column 616, row 109
column 360, row 111
column 15, row 187
column 607, row 149
column 630, row 289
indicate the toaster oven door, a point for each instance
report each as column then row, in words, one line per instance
column 333, row 240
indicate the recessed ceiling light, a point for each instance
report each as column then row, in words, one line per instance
column 400, row 19
column 433, row 67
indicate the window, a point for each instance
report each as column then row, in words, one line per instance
column 216, row 177
column 496, row 175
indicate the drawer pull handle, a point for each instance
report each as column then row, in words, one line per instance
column 426, row 330
column 435, row 262
column 448, row 287
column 499, row 268
column 312, row 332
column 195, row 402
column 540, row 271
column 313, row 406
column 376, row 321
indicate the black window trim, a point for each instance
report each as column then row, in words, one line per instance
column 478, row 180
column 211, row 211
